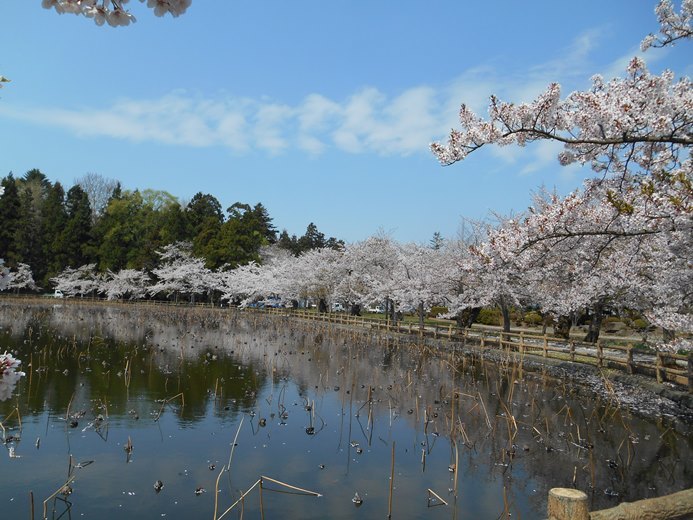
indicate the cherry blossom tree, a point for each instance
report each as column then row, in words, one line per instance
column 82, row 281
column 126, row 283
column 369, row 272
column 113, row 12
column 9, row 364
column 420, row 278
column 486, row 277
column 22, row 278
column 182, row 273
column 244, row 284
column 626, row 235
column 4, row 275
column 9, row 375
column 315, row 275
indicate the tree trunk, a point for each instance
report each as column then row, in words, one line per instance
column 561, row 327
column 322, row 306
column 595, row 322
column 546, row 320
column 355, row 309
column 505, row 312
column 422, row 316
column 467, row 317
column 668, row 335
column 390, row 310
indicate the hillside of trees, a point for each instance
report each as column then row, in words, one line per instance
column 49, row 228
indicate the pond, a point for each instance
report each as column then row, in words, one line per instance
column 140, row 413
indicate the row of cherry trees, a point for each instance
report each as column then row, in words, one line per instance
column 415, row 278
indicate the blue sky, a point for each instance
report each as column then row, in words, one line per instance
column 321, row 110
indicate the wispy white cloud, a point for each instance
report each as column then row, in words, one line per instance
column 367, row 121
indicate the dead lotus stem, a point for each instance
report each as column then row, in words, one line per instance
column 457, row 466
column 392, row 481
column 295, row 488
column 233, row 446
column 506, row 508
column 431, row 492
column 240, row 499
column 465, row 437
column 69, row 404
column 168, row 400
column 14, row 411
column 216, row 493
column 483, row 406
column 54, row 494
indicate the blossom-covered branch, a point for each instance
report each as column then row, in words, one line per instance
column 113, row 12
column 673, row 26
column 638, row 124
column 617, row 125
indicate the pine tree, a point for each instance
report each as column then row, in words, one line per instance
column 9, row 217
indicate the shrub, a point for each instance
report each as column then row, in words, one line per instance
column 533, row 318
column 489, row 317
column 436, row 310
column 640, row 324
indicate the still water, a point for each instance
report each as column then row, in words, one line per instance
column 122, row 400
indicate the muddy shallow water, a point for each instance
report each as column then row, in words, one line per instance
column 118, row 398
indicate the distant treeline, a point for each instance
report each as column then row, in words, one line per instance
column 96, row 221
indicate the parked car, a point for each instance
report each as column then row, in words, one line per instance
column 338, row 307
column 378, row 309
column 58, row 294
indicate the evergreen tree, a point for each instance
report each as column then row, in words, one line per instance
column 201, row 208
column 54, row 218
column 264, row 223
column 290, row 243
column 119, row 231
column 240, row 237
column 437, row 241
column 312, row 239
column 33, row 189
column 76, row 237
column 172, row 224
column 9, row 221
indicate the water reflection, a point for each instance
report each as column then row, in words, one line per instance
column 156, row 396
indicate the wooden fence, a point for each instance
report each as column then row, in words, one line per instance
column 612, row 353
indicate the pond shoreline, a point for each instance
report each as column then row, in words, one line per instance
column 639, row 394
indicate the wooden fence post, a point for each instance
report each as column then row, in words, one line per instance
column 567, row 504
column 690, row 372
column 658, row 367
column 522, row 342
column 572, row 351
column 600, row 354
column 630, row 359
column 546, row 344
